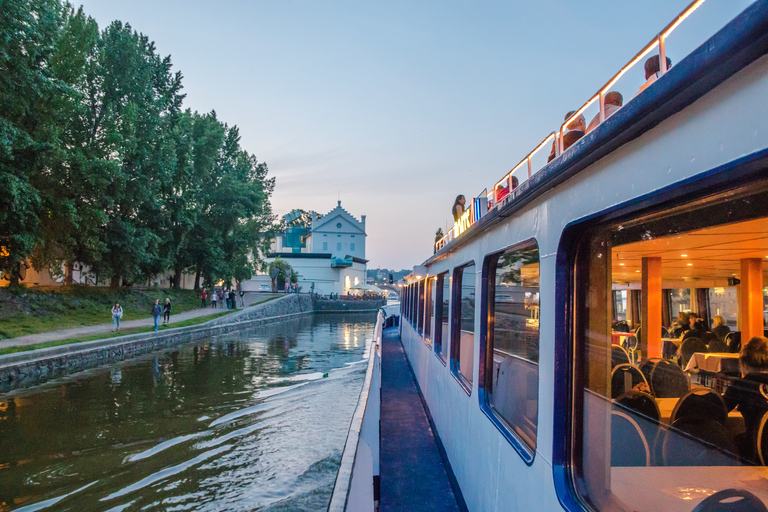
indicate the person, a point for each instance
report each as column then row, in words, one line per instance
column 575, row 131
column 117, row 315
column 680, row 325
column 221, row 297
column 750, row 393
column 242, row 298
column 652, row 71
column 613, row 102
column 458, row 207
column 232, row 298
column 156, row 312
column 214, row 300
column 203, row 296
column 720, row 329
column 167, row 311
column 502, row 191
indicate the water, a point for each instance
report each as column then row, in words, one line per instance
column 244, row 422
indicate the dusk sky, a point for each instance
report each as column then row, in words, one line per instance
column 396, row 107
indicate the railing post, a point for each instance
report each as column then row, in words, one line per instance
column 559, row 142
column 662, row 55
column 602, row 107
column 529, row 167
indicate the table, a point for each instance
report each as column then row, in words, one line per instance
column 675, row 341
column 673, row 488
column 709, row 362
column 734, row 423
column 618, row 337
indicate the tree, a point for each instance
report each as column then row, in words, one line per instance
column 283, row 268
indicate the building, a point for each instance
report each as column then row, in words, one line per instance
column 329, row 255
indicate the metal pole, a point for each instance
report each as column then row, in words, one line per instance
column 602, row 107
column 662, row 55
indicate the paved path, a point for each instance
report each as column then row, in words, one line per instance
column 413, row 477
column 31, row 339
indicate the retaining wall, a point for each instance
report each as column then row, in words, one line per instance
column 28, row 368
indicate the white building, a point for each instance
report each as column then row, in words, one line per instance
column 329, row 257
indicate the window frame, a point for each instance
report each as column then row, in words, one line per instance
column 722, row 182
column 487, row 308
column 428, row 309
column 439, row 339
column 455, row 322
column 420, row 286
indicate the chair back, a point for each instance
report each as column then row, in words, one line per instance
column 665, row 333
column 618, row 356
column 624, row 378
column 689, row 347
column 733, row 339
column 640, row 403
column 646, row 367
column 629, row 447
column 639, row 334
column 762, row 439
column 731, row 500
column 668, row 380
column 717, row 346
column 629, row 342
column 699, row 443
column 621, row 326
column 700, row 404
column 668, row 349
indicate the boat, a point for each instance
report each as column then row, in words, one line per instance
column 538, row 333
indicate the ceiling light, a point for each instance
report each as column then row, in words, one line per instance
column 621, row 264
column 637, row 271
column 690, row 264
column 683, row 255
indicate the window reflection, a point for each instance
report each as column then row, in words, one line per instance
column 462, row 351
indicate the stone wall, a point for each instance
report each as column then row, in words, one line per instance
column 323, row 305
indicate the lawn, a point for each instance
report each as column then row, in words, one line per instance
column 42, row 309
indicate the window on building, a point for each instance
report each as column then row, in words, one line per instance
column 420, row 305
column 463, row 332
column 647, row 403
column 442, row 314
column 325, row 246
column 511, row 351
column 429, row 310
column 338, row 246
column 352, row 246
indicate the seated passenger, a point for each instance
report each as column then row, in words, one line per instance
column 680, row 325
column 575, row 131
column 501, row 192
column 515, row 183
column 698, row 330
column 652, row 71
column 613, row 102
column 750, row 393
column 720, row 329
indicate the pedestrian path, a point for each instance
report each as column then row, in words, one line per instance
column 90, row 330
column 413, row 476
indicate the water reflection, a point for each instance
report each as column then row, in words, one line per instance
column 243, row 422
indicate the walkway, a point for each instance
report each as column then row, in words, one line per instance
column 32, row 339
column 413, row 477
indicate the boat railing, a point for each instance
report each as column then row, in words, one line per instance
column 502, row 190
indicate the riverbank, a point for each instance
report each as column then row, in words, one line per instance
column 27, row 368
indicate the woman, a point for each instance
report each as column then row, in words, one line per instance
column 156, row 312
column 720, row 329
column 167, row 311
column 750, row 393
column 117, row 315
column 680, row 325
column 458, row 207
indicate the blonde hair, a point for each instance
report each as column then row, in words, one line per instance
column 718, row 321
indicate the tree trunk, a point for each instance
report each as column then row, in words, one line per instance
column 197, row 277
column 177, row 278
column 69, row 272
column 115, row 281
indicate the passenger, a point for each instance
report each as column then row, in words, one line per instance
column 501, row 192
column 699, row 330
column 749, row 393
column 515, row 183
column 458, row 207
column 613, row 102
column 680, row 325
column 720, row 329
column 652, row 71
column 575, row 132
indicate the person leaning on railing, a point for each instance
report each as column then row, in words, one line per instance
column 458, row 207
column 613, row 102
column 575, row 129
column 652, row 71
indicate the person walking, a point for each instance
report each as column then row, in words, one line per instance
column 203, row 296
column 242, row 298
column 233, row 298
column 156, row 312
column 167, row 311
column 214, row 300
column 117, row 315
column 221, row 296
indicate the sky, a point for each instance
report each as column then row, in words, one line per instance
column 396, row 107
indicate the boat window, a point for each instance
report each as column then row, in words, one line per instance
column 442, row 313
column 463, row 334
column 511, row 352
column 683, row 379
column 420, row 305
column 429, row 310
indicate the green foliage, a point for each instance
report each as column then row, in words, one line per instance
column 100, row 166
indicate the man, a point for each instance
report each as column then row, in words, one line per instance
column 613, row 102
column 576, row 129
column 652, row 71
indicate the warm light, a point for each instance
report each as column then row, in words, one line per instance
column 680, row 18
column 683, row 255
column 621, row 264
column 690, row 264
column 637, row 271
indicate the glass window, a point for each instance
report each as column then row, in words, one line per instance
column 429, row 310
column 414, row 304
column 325, row 246
column 338, row 246
column 512, row 345
column 442, row 313
column 352, row 246
column 643, row 412
column 463, row 337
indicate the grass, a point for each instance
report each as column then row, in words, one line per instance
column 43, row 309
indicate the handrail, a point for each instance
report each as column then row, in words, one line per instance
column 658, row 41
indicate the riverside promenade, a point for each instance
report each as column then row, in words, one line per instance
column 250, row 299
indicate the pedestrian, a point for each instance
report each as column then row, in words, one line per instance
column 221, row 296
column 213, row 300
column 233, row 298
column 167, row 311
column 242, row 299
column 203, row 296
column 156, row 312
column 117, row 315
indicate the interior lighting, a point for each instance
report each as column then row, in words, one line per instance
column 683, row 255
column 637, row 271
column 690, row 264
column 621, row 264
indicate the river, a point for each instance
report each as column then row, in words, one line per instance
column 254, row 420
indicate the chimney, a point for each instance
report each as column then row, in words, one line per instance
column 362, row 219
column 339, row 203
